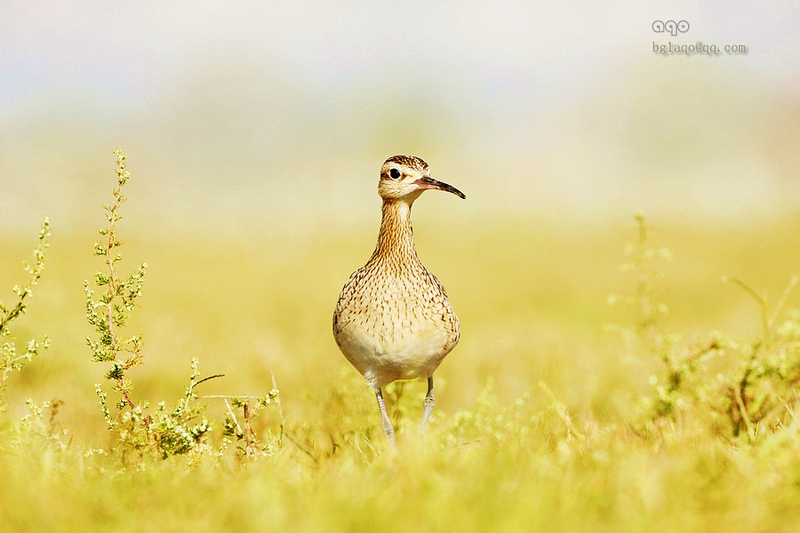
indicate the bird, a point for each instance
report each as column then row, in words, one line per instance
column 393, row 320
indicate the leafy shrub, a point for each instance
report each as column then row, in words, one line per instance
column 12, row 359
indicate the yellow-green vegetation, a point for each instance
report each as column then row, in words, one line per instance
column 12, row 359
column 671, row 410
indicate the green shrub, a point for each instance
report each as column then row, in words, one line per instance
column 12, row 359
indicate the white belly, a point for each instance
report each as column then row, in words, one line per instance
column 392, row 331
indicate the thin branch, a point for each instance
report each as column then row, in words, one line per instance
column 762, row 301
column 208, row 378
column 782, row 300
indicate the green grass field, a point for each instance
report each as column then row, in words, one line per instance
column 542, row 420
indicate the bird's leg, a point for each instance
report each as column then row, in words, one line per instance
column 388, row 430
column 428, row 403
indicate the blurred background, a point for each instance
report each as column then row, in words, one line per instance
column 255, row 131
column 287, row 109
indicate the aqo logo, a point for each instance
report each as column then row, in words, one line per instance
column 671, row 26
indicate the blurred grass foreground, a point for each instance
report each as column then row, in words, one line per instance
column 671, row 410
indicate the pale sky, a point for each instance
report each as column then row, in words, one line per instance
column 125, row 48
column 567, row 101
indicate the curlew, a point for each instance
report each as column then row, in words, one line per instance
column 393, row 320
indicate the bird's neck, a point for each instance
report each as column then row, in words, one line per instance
column 396, row 237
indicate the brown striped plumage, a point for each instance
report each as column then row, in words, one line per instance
column 393, row 319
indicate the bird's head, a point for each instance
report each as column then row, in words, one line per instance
column 404, row 177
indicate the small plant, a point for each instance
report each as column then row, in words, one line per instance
column 38, row 432
column 749, row 390
column 110, row 312
column 641, row 263
column 139, row 429
column 12, row 360
column 764, row 386
column 248, row 443
column 677, row 367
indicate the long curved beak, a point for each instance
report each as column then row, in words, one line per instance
column 430, row 183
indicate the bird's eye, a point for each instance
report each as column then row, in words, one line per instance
column 394, row 173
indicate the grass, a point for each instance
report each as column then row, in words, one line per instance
column 545, row 419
